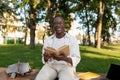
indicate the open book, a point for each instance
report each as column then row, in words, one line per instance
column 20, row 68
column 64, row 49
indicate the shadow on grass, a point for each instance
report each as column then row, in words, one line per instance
column 95, row 64
column 99, row 64
column 108, row 47
column 98, row 53
column 112, row 47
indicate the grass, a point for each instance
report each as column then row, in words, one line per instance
column 98, row 60
column 92, row 59
column 10, row 54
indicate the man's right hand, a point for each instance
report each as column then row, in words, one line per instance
column 46, row 56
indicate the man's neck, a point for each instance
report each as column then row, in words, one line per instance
column 60, row 35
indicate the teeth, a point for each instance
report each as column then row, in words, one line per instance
column 59, row 29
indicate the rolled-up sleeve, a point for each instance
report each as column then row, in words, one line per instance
column 74, row 51
column 44, row 46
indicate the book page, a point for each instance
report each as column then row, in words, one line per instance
column 50, row 50
column 64, row 49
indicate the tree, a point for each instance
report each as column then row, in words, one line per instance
column 8, row 16
column 51, row 8
column 63, row 8
column 89, row 19
column 99, row 25
column 117, row 11
column 33, row 9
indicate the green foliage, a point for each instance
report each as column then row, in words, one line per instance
column 19, row 41
column 117, row 9
column 4, row 7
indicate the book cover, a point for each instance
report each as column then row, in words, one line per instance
column 88, row 75
column 64, row 49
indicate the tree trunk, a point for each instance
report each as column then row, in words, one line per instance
column 6, row 38
column 32, row 38
column 99, row 26
column 32, row 24
column 26, row 31
column 26, row 26
column 51, row 12
column 88, row 29
column 6, row 34
column 14, row 38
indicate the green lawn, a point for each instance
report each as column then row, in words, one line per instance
column 92, row 59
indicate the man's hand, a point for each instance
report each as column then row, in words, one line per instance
column 62, row 57
column 46, row 56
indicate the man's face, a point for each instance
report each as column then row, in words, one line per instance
column 58, row 25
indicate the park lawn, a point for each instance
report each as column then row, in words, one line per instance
column 92, row 59
column 98, row 60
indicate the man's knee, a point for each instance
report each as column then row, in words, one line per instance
column 46, row 73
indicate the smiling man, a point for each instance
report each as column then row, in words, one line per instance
column 61, row 66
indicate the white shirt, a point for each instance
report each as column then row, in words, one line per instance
column 54, row 42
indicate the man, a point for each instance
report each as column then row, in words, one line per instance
column 61, row 66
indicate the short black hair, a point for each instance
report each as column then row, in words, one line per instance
column 59, row 17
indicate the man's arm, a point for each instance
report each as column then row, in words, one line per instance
column 74, row 51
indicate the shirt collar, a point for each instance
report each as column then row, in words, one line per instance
column 66, row 35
